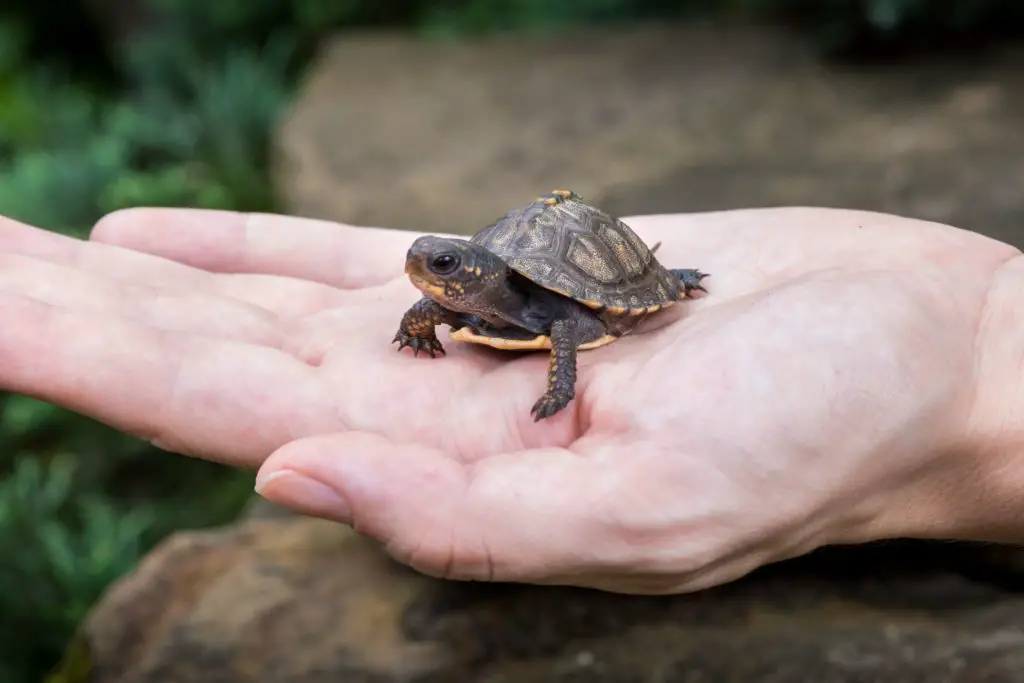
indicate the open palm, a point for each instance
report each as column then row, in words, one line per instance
column 786, row 409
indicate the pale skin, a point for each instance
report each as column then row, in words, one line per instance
column 849, row 376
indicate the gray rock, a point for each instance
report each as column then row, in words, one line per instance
column 283, row 598
column 427, row 135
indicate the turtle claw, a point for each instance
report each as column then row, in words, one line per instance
column 430, row 345
column 691, row 279
column 549, row 404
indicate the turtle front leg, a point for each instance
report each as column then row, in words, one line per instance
column 690, row 277
column 567, row 335
column 417, row 327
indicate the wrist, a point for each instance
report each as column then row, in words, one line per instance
column 976, row 492
column 994, row 440
column 971, row 487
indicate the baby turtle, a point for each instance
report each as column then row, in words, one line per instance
column 555, row 274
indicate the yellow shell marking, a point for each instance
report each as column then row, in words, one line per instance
column 618, row 310
column 551, row 201
column 541, row 341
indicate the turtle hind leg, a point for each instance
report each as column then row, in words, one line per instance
column 690, row 277
column 567, row 335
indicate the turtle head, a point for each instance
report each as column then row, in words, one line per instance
column 458, row 274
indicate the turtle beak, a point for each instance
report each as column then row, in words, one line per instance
column 416, row 267
column 416, row 260
column 413, row 266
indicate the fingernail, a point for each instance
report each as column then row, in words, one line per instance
column 302, row 494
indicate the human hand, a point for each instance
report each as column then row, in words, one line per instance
column 823, row 392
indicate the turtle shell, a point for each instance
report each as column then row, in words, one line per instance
column 568, row 246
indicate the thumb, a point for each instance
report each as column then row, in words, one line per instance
column 525, row 516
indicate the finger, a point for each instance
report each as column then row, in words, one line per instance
column 228, row 242
column 214, row 398
column 535, row 516
column 112, row 262
column 287, row 297
column 185, row 311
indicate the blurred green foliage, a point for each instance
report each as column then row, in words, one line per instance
column 174, row 106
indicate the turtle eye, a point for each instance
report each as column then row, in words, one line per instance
column 444, row 263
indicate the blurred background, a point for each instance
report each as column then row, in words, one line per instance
column 440, row 114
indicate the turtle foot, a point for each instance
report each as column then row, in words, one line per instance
column 690, row 277
column 430, row 345
column 549, row 404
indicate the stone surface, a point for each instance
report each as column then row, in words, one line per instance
column 406, row 133
column 282, row 598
